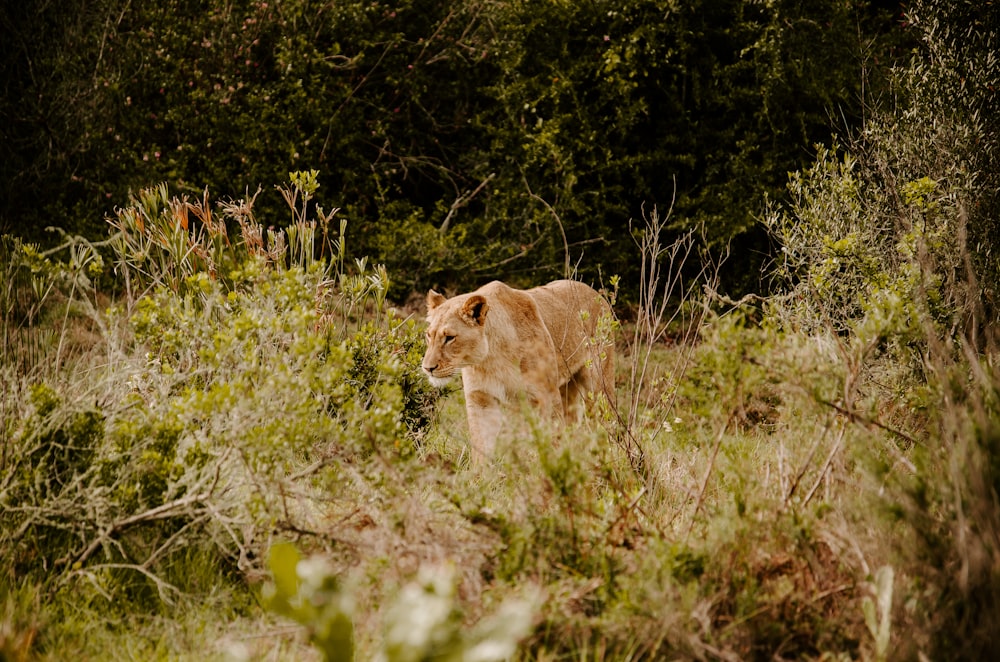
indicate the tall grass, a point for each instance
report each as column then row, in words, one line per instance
column 670, row 307
column 807, row 476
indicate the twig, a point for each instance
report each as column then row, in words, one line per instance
column 708, row 472
column 508, row 260
column 225, row 523
column 808, row 461
column 160, row 512
column 711, row 291
column 626, row 511
column 161, row 585
column 855, row 417
column 170, row 541
column 826, row 465
column 463, row 200
column 562, row 230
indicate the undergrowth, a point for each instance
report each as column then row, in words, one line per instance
column 236, row 456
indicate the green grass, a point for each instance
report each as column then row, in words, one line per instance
column 714, row 551
column 756, row 492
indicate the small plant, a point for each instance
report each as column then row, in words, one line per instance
column 670, row 308
column 306, row 591
column 424, row 621
column 878, row 612
column 38, row 284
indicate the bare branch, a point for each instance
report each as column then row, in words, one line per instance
column 160, row 512
column 462, row 201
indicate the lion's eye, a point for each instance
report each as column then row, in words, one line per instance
column 448, row 339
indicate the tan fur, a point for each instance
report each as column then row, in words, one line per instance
column 538, row 344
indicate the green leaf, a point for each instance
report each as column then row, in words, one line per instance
column 283, row 559
column 334, row 635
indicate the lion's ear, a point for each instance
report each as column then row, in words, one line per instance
column 434, row 300
column 475, row 309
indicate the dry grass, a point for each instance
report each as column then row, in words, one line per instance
column 753, row 492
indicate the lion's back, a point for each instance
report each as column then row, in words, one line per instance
column 571, row 311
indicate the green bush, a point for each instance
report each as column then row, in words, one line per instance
column 52, row 453
column 889, row 260
column 499, row 139
column 237, row 371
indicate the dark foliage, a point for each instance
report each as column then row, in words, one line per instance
column 464, row 140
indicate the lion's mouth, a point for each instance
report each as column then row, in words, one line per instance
column 438, row 378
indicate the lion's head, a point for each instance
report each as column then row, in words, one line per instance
column 456, row 337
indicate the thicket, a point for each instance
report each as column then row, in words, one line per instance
column 463, row 140
column 808, row 475
column 889, row 259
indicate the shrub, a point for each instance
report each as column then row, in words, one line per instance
column 424, row 621
column 238, row 372
column 886, row 262
column 509, row 138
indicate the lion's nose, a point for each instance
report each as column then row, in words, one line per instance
column 430, row 369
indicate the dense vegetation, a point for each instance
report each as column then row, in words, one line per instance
column 463, row 140
column 216, row 443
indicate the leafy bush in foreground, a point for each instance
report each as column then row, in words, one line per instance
column 229, row 380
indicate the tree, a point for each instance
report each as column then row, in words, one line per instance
column 463, row 141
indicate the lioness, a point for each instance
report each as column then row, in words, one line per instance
column 538, row 343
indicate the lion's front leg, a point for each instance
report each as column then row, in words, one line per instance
column 485, row 413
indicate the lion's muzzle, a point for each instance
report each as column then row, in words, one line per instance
column 436, row 375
